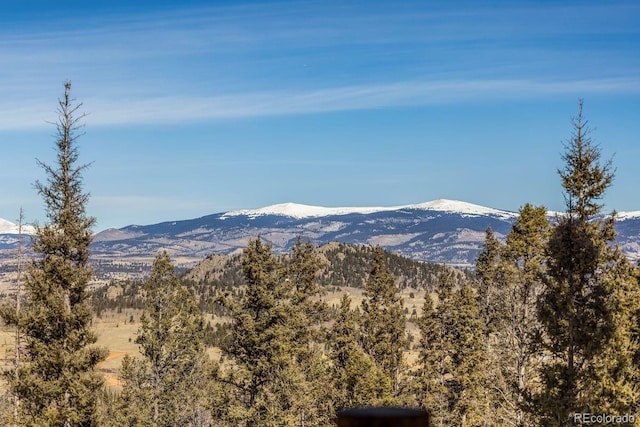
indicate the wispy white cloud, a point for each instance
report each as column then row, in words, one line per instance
column 180, row 109
column 244, row 61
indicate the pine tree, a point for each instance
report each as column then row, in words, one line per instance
column 468, row 360
column 584, row 308
column 452, row 364
column 302, row 275
column 357, row 381
column 309, row 313
column 434, row 369
column 56, row 383
column 269, row 381
column 513, row 346
column 384, row 325
column 168, row 385
column 490, row 281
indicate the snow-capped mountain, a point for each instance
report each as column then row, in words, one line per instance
column 10, row 234
column 442, row 231
column 8, row 227
column 299, row 211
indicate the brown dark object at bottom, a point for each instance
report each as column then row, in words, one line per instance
column 383, row 417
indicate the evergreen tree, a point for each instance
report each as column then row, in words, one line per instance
column 451, row 375
column 490, row 281
column 384, row 325
column 56, row 382
column 168, row 385
column 270, row 384
column 513, row 347
column 585, row 305
column 635, row 323
column 357, row 381
column 434, row 369
column 308, row 314
column 468, row 359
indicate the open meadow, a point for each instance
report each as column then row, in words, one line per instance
column 117, row 331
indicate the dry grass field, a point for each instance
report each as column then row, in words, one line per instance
column 117, row 331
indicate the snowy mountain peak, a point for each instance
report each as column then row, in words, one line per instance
column 300, row 211
column 621, row 216
column 7, row 227
column 456, row 206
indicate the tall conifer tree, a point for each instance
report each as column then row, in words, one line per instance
column 451, row 375
column 307, row 314
column 357, row 381
column 584, row 307
column 384, row 324
column 269, row 381
column 513, row 347
column 468, row 360
column 57, row 383
column 490, row 281
column 434, row 369
column 167, row 386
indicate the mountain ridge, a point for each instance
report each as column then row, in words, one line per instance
column 440, row 231
column 443, row 231
column 303, row 211
column 297, row 210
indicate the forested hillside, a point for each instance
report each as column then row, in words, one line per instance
column 342, row 266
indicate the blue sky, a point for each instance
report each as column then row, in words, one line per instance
column 200, row 107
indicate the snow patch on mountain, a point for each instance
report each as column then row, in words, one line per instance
column 621, row 216
column 7, row 227
column 299, row 211
column 464, row 208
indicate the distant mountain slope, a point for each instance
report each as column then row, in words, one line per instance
column 9, row 233
column 440, row 231
column 343, row 266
